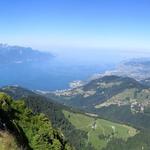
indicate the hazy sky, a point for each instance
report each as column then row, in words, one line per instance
column 65, row 24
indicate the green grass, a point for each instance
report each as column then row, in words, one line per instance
column 103, row 130
column 129, row 96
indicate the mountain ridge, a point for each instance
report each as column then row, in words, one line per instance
column 96, row 91
column 19, row 55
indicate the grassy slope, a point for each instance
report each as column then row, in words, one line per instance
column 96, row 91
column 104, row 130
column 7, row 141
column 128, row 96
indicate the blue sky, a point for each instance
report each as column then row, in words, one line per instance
column 76, row 24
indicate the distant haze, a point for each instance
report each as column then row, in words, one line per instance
column 47, row 24
column 97, row 56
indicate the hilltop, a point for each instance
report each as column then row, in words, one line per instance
column 98, row 91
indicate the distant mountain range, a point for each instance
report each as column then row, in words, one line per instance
column 25, row 65
column 19, row 55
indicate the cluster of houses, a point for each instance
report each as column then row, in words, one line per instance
column 137, row 107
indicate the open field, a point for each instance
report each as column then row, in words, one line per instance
column 99, row 131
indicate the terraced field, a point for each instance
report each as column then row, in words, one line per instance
column 99, row 131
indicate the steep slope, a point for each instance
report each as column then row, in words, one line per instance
column 7, row 141
column 53, row 110
column 30, row 131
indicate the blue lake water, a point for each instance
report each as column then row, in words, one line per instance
column 62, row 69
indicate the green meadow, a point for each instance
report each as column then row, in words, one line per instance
column 99, row 131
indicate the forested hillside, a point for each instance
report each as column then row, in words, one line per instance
column 120, row 99
column 29, row 131
column 53, row 111
column 95, row 92
column 82, row 129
